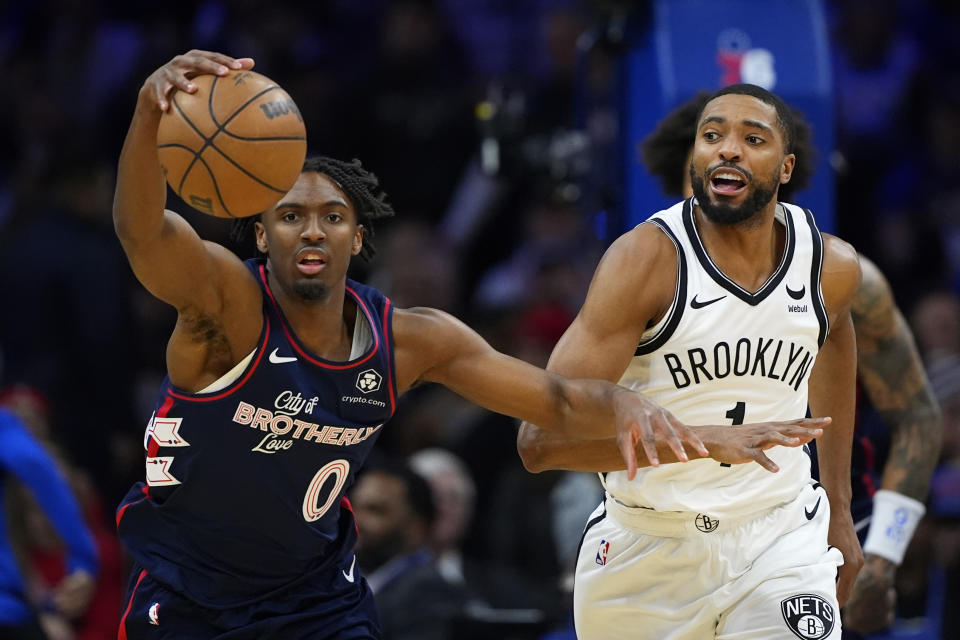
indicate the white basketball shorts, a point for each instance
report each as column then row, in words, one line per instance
column 771, row 575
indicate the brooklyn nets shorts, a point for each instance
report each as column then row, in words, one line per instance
column 769, row 575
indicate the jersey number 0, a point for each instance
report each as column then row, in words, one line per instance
column 312, row 509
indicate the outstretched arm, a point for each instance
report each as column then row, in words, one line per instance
column 891, row 373
column 832, row 393
column 166, row 254
column 543, row 450
column 432, row 346
column 215, row 296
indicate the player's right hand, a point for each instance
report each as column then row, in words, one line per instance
column 747, row 442
column 176, row 74
column 873, row 601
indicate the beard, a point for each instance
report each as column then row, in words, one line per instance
column 722, row 213
column 311, row 290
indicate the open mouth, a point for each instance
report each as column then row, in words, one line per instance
column 311, row 261
column 727, row 182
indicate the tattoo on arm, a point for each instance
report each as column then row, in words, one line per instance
column 893, row 377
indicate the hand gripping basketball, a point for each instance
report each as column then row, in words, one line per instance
column 234, row 145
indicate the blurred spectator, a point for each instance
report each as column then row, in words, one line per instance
column 936, row 324
column 46, row 561
column 414, row 268
column 23, row 458
column 454, row 494
column 395, row 512
column 553, row 260
column 414, row 124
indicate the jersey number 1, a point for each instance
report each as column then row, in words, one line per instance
column 736, row 415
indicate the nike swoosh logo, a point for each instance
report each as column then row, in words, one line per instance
column 275, row 359
column 349, row 575
column 796, row 295
column 812, row 513
column 696, row 304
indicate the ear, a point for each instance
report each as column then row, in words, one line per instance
column 357, row 241
column 261, row 234
column 786, row 169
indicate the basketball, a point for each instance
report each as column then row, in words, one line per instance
column 234, row 147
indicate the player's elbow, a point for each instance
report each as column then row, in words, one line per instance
column 121, row 226
column 126, row 227
column 531, row 449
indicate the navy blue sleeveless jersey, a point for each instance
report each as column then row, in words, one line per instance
column 244, row 491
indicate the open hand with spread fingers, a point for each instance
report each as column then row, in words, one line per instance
column 747, row 442
column 641, row 421
column 651, row 425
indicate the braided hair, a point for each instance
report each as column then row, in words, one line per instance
column 362, row 188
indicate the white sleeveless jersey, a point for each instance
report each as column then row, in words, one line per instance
column 724, row 355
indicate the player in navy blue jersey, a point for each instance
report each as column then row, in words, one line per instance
column 281, row 375
column 890, row 373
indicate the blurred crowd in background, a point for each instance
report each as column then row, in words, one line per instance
column 409, row 86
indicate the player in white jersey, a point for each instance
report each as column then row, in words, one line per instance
column 727, row 307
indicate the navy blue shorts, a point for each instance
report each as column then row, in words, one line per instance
column 339, row 609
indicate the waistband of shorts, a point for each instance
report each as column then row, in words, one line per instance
column 675, row 524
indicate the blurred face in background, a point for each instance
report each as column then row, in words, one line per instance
column 387, row 525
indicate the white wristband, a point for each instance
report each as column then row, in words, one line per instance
column 895, row 517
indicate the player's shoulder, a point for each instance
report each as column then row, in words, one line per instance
column 646, row 245
column 423, row 325
column 840, row 274
column 840, row 258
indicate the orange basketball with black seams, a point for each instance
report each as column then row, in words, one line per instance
column 234, row 147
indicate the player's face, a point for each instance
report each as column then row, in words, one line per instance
column 310, row 236
column 738, row 160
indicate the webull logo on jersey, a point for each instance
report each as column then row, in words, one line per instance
column 282, row 428
column 768, row 358
column 808, row 616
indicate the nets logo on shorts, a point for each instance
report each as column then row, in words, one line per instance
column 706, row 524
column 809, row 616
column 369, row 380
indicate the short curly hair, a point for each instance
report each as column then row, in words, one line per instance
column 665, row 151
column 362, row 188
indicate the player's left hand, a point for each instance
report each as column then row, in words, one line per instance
column 642, row 421
column 872, row 602
column 843, row 536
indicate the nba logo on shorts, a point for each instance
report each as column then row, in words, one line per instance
column 809, row 616
column 602, row 552
column 153, row 614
